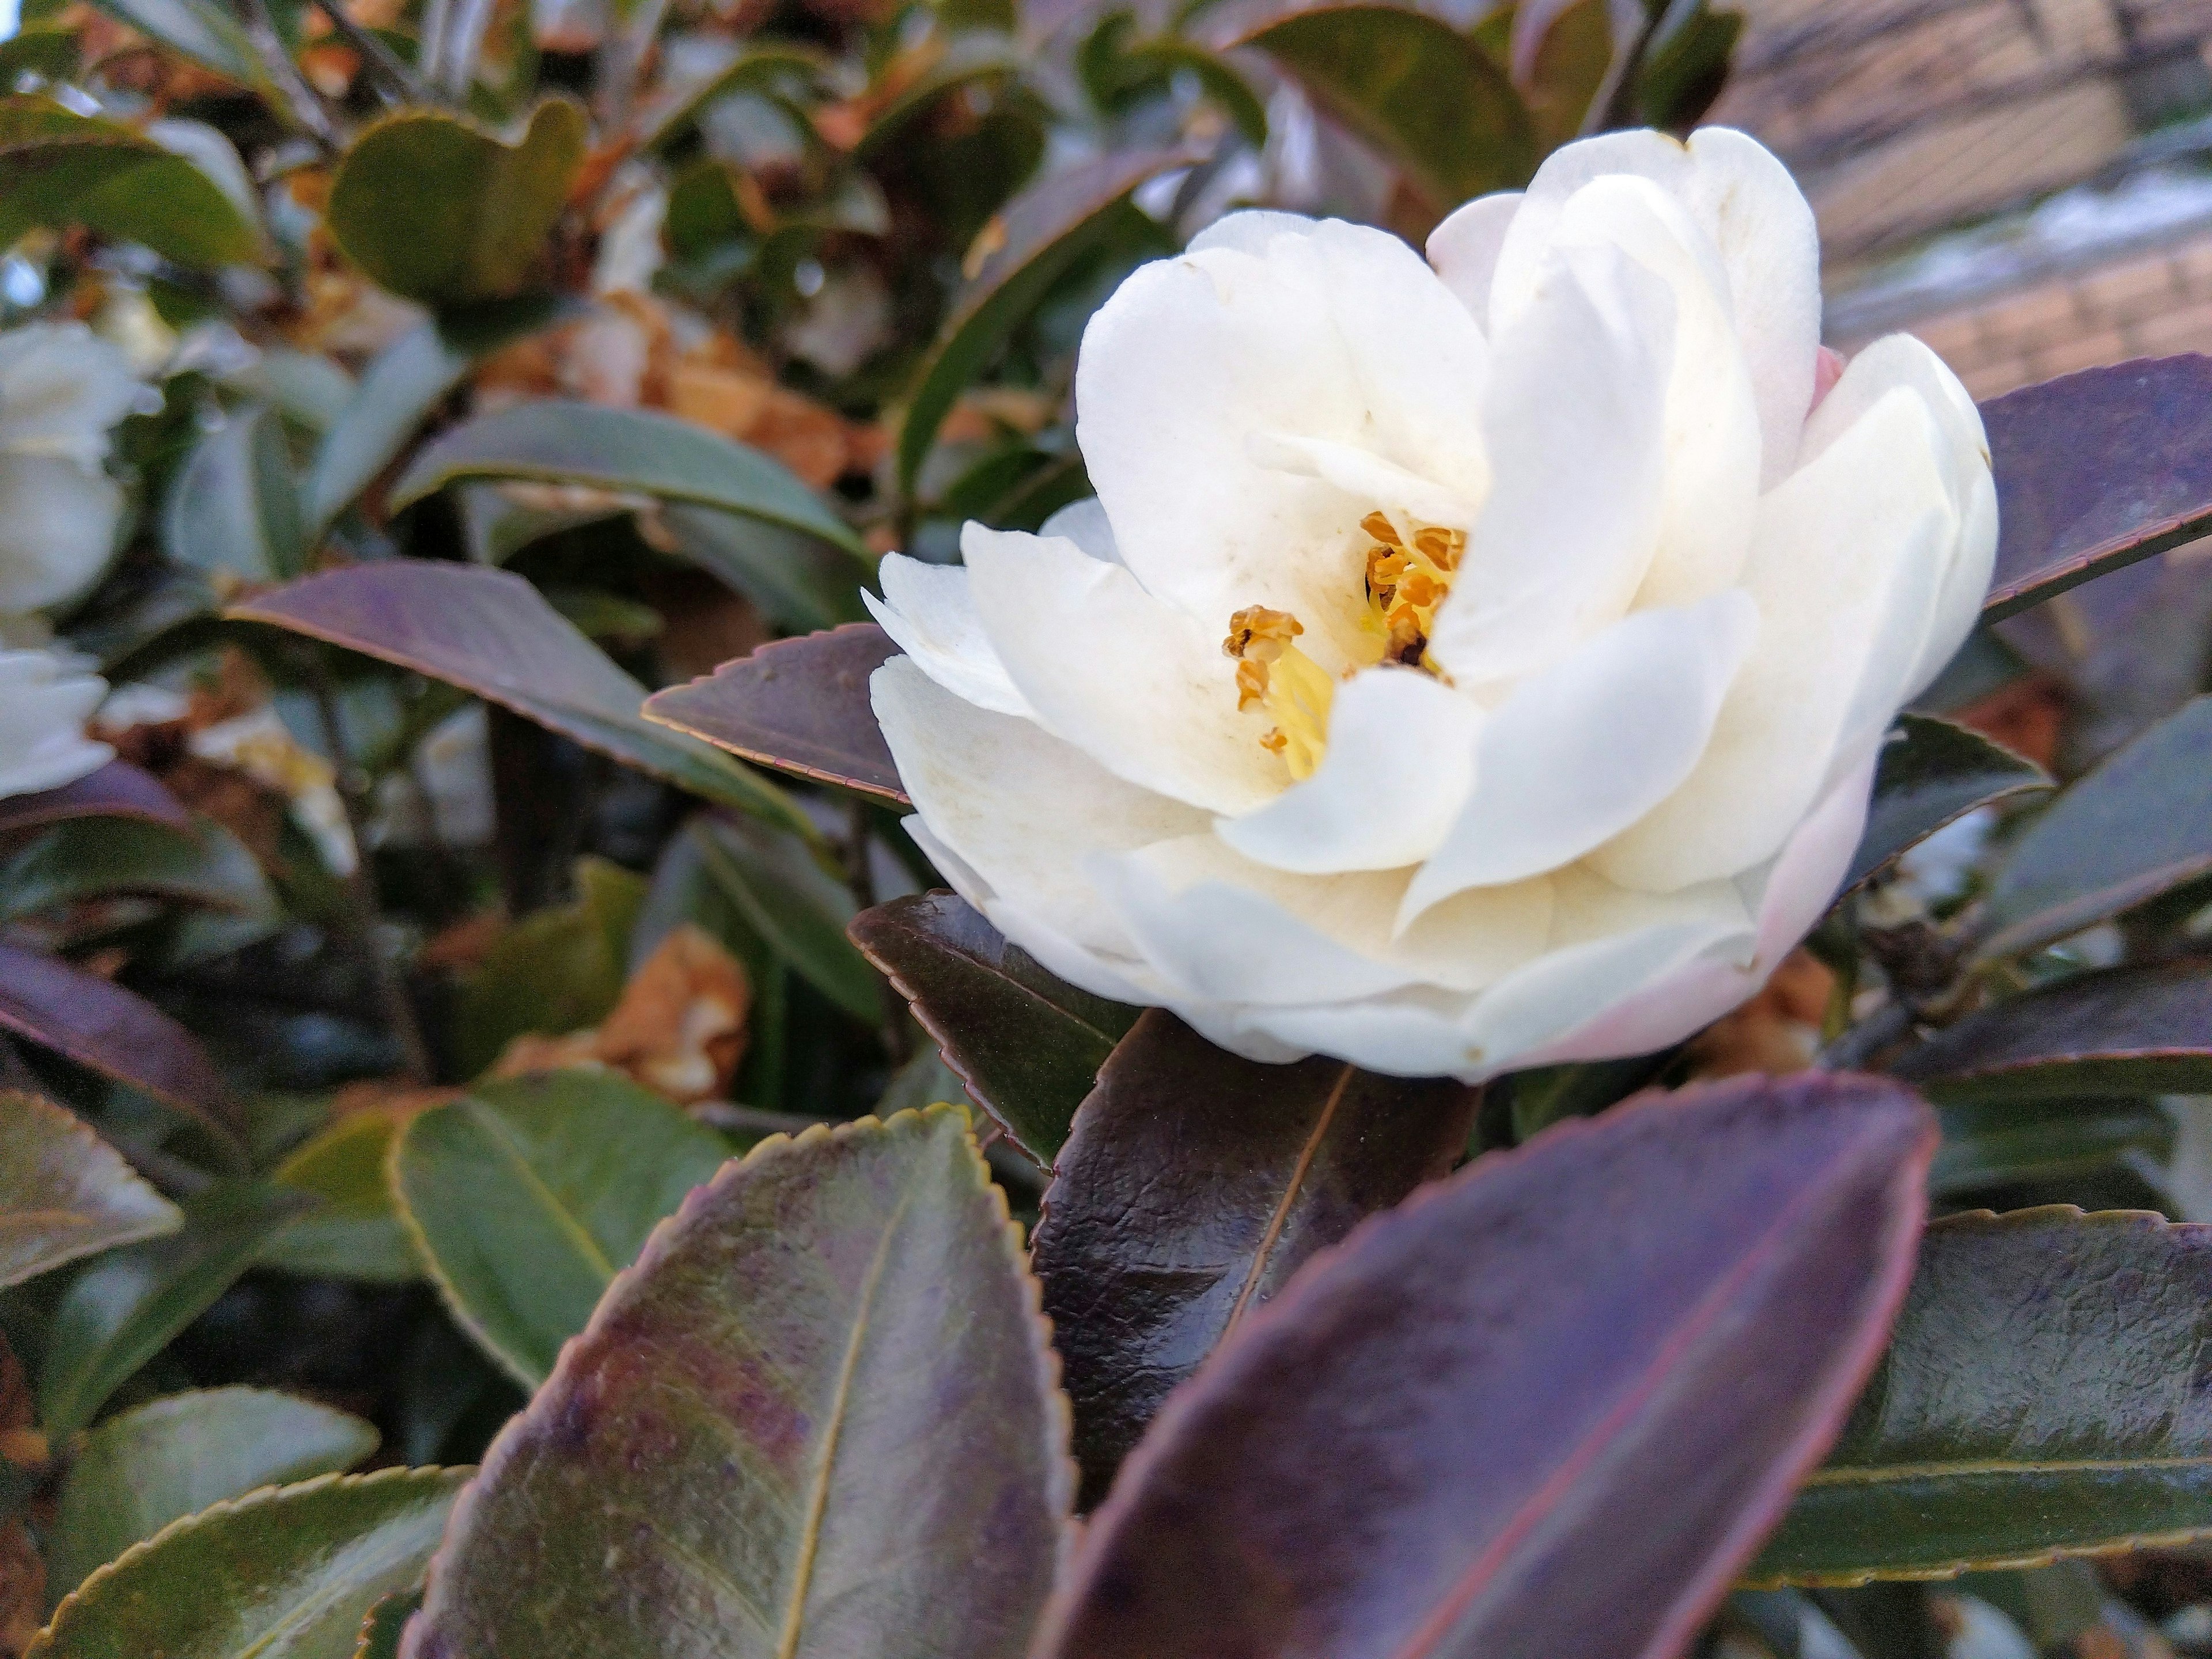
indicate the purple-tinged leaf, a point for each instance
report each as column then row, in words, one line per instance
column 798, row 706
column 492, row 633
column 1194, row 1184
column 2095, row 471
column 118, row 790
column 2124, row 1032
column 65, row 1193
column 114, row 1032
column 816, row 1417
column 1451, row 1434
column 1931, row 772
column 1027, row 1044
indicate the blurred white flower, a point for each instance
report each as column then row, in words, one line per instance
column 61, row 392
column 1465, row 665
column 44, row 700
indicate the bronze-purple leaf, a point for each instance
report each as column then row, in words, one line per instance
column 118, row 789
column 2095, row 471
column 815, row 1418
column 1457, row 1433
column 798, row 705
column 115, row 1032
column 1194, row 1182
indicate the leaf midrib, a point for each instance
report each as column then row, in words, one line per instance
column 1265, row 1251
column 497, row 1131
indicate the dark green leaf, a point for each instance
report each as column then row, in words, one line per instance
column 1544, row 1095
column 174, row 1457
column 234, row 510
column 817, row 1419
column 789, row 69
column 639, row 451
column 1687, row 64
column 289, row 1572
column 88, row 858
column 798, row 705
column 51, row 54
column 122, row 1309
column 385, row 1624
column 1044, row 231
column 980, row 57
column 2042, row 1396
column 796, row 907
column 1027, row 1044
column 492, row 633
column 353, row 1231
column 1451, row 1435
column 438, row 209
column 58, row 168
column 201, row 30
column 797, row 582
column 1193, row 1184
column 1992, row 1143
column 526, row 1197
column 558, row 969
column 65, row 1193
column 1930, row 773
column 2138, row 825
column 1561, row 51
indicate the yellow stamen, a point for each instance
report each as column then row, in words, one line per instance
column 1274, row 674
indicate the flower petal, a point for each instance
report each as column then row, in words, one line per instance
column 1085, row 524
column 58, row 525
column 1252, row 231
column 44, row 704
column 1464, row 248
column 929, row 612
column 66, row 388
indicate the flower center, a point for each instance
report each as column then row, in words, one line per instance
column 1407, row 578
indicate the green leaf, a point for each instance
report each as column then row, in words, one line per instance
column 1560, row 50
column 1027, row 1044
column 2042, row 1396
column 385, row 1624
column 122, row 1309
column 2141, row 823
column 1044, row 230
column 796, row 907
column 978, row 57
column 550, row 440
column 58, row 168
column 1544, row 1095
column 817, row 1419
column 1989, row 1144
column 1931, row 772
column 1687, row 65
column 436, row 209
column 1426, row 95
column 797, row 582
column 176, row 1455
column 198, row 29
column 49, row 53
column 234, row 506
column 354, row 1231
column 492, row 633
column 88, row 858
column 558, row 969
column 399, row 389
column 286, row 1573
column 786, row 69
column 527, row 1197
column 65, row 1193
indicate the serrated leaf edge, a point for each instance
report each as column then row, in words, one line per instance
column 158, row 1226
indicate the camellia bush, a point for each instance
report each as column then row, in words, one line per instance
column 837, row 830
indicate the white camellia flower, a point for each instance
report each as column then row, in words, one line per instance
column 44, row 700
column 1465, row 665
column 62, row 390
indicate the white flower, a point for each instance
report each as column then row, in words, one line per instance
column 44, row 700
column 61, row 390
column 1464, row 664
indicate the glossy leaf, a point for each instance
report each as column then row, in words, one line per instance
column 59, row 168
column 353, row 1231
column 113, row 1031
column 124, row 1309
column 176, row 1455
column 798, row 705
column 65, row 1193
column 288, row 1572
column 398, row 391
column 117, row 790
column 796, row 580
column 764, row 65
column 198, row 29
column 88, row 858
column 2141, row 823
column 492, row 633
column 1193, row 1185
column 1993, row 1143
column 2125, row 1030
column 386, row 1622
column 436, row 209
column 1559, row 53
column 558, row 969
column 2042, row 1396
column 796, row 908
column 816, row 1420
column 1449, row 1435
column 637, row 451
column 1931, row 772
column 2098, row 470
column 1044, row 231
column 1426, row 94
column 1027, row 1044
column 526, row 1197
column 235, row 509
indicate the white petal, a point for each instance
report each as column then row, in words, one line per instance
column 1017, row 806
column 44, row 704
column 1580, row 752
column 1251, row 231
column 1411, row 1033
column 1363, row 476
column 1464, row 248
column 57, row 527
column 61, row 390
column 1137, row 685
column 1838, row 545
column 930, row 613
column 1084, row 523
column 1399, row 759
